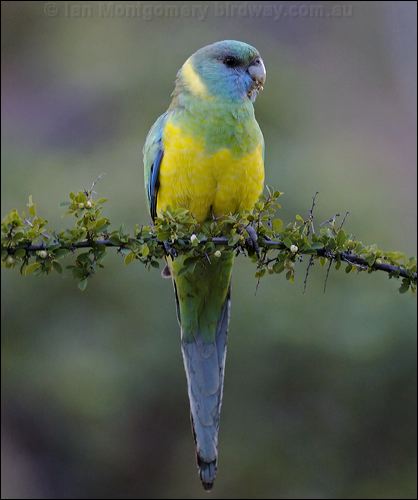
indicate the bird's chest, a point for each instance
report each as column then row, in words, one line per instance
column 211, row 170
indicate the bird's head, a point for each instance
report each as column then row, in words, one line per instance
column 228, row 70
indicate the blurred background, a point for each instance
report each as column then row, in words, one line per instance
column 320, row 390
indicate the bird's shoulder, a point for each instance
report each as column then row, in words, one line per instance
column 152, row 157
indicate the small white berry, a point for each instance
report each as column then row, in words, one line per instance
column 10, row 260
column 294, row 248
column 89, row 204
column 43, row 254
column 81, row 205
column 194, row 239
column 217, row 254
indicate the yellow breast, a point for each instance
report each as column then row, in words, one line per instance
column 207, row 183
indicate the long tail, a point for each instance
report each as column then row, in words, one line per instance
column 203, row 307
column 205, row 367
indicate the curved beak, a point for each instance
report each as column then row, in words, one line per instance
column 257, row 71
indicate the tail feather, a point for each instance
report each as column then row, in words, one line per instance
column 203, row 309
column 204, row 364
column 207, row 473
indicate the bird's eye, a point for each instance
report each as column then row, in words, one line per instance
column 230, row 61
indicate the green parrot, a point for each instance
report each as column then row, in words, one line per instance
column 206, row 154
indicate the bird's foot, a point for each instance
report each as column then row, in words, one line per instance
column 252, row 240
column 169, row 250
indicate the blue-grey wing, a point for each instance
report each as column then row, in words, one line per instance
column 153, row 154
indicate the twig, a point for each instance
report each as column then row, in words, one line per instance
column 311, row 226
column 327, row 274
column 310, row 264
column 348, row 257
column 98, row 178
column 344, row 219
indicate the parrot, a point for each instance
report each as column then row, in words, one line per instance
column 206, row 154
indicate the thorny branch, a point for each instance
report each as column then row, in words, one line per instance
column 348, row 257
column 28, row 244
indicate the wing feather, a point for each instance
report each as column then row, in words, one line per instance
column 153, row 153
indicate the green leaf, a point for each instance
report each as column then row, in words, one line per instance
column 57, row 266
column 31, row 268
column 341, row 237
column 84, row 258
column 115, row 239
column 20, row 253
column 31, row 206
column 82, row 285
column 278, row 267
column 290, row 276
column 145, row 250
column 81, row 197
column 61, row 252
column 129, row 258
column 260, row 273
column 288, row 242
column 100, row 224
column 277, row 225
column 317, row 245
column 234, row 239
column 370, row 258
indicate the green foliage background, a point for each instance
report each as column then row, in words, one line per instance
column 320, row 393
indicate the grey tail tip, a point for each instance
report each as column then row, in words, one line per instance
column 207, row 473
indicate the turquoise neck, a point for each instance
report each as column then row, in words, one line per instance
column 219, row 122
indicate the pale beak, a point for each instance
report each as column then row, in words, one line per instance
column 257, row 71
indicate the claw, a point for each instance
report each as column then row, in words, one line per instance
column 252, row 240
column 169, row 250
